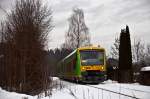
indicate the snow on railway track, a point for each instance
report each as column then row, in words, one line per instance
column 138, row 91
column 69, row 90
column 109, row 90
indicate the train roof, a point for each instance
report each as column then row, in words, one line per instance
column 83, row 48
column 69, row 55
column 90, row 47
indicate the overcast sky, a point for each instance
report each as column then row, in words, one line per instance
column 104, row 18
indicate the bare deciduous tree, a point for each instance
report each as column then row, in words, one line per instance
column 148, row 49
column 138, row 50
column 115, row 49
column 25, row 33
column 78, row 33
column 147, row 55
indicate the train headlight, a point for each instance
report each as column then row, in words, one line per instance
column 83, row 68
column 102, row 68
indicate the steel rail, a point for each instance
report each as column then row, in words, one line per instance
column 114, row 92
column 136, row 90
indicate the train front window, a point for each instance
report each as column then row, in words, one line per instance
column 92, row 57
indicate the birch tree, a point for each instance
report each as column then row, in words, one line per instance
column 115, row 49
column 78, row 33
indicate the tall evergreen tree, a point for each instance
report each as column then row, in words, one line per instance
column 125, row 56
column 129, row 58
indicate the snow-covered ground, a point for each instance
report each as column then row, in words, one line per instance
column 78, row 91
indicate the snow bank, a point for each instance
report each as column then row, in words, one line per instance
column 55, row 78
column 145, row 68
column 77, row 91
column 109, row 81
column 12, row 95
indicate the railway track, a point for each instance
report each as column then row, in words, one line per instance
column 136, row 90
column 118, row 92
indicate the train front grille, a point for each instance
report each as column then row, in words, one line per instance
column 92, row 73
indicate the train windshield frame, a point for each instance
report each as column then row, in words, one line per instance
column 92, row 57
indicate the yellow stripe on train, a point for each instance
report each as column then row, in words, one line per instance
column 84, row 68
